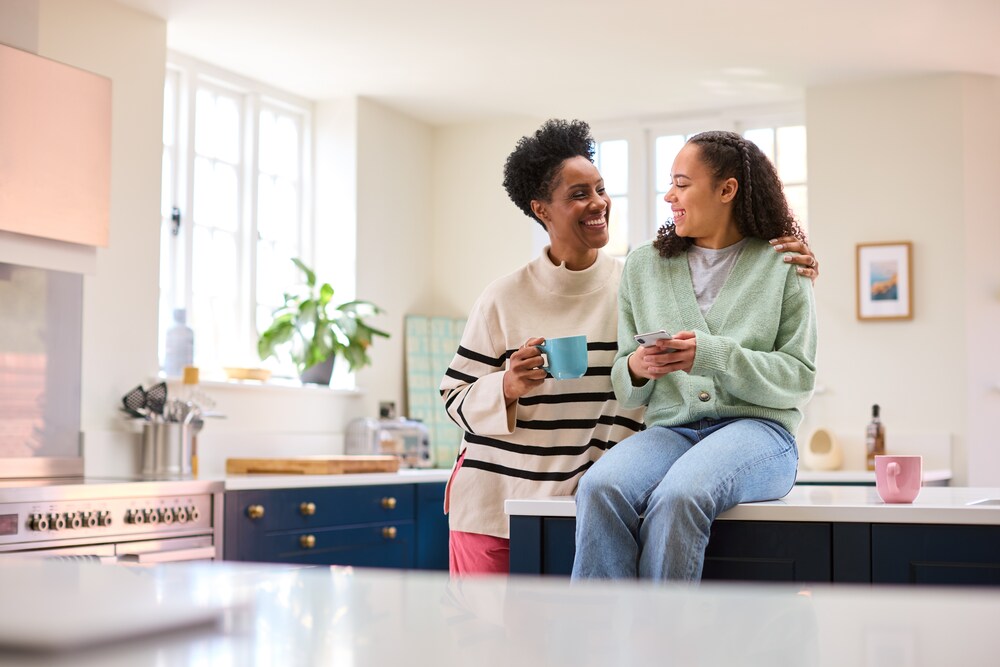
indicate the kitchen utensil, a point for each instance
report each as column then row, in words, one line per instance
column 565, row 357
column 156, row 398
column 898, row 478
column 134, row 402
column 407, row 439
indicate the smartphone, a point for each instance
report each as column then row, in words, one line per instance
column 649, row 339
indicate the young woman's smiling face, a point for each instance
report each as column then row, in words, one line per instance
column 576, row 214
column 701, row 204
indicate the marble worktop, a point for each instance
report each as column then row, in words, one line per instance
column 242, row 614
column 941, row 505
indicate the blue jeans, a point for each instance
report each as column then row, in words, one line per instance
column 678, row 479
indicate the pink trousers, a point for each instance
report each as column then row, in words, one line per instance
column 473, row 553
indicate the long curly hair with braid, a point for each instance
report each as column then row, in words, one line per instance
column 760, row 209
column 534, row 165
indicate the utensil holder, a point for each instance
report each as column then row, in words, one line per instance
column 166, row 449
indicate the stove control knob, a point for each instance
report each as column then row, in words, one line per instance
column 74, row 520
column 56, row 522
column 135, row 516
column 104, row 519
column 166, row 516
column 151, row 516
column 38, row 522
column 193, row 513
column 182, row 515
column 90, row 519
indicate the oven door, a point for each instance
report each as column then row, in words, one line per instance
column 105, row 553
column 146, row 552
column 172, row 550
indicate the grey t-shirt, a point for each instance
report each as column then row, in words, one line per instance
column 709, row 270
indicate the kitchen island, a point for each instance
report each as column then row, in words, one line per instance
column 271, row 614
column 949, row 535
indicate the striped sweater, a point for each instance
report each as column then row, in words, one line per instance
column 541, row 444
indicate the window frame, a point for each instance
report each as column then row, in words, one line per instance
column 189, row 76
column 641, row 133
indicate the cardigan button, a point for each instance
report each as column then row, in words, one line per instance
column 704, row 397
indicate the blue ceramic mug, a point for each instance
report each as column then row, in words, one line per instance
column 566, row 357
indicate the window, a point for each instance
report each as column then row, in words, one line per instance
column 233, row 211
column 611, row 158
column 651, row 148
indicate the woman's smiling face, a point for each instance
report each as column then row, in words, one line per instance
column 576, row 214
column 701, row 204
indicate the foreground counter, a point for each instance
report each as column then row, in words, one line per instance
column 268, row 615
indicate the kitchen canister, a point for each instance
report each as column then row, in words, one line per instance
column 166, row 449
column 821, row 451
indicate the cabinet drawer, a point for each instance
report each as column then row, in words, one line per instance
column 385, row 545
column 952, row 555
column 292, row 509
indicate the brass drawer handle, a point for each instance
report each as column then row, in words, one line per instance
column 389, row 503
column 255, row 511
column 389, row 533
column 307, row 541
column 307, row 509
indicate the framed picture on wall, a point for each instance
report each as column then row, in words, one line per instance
column 885, row 281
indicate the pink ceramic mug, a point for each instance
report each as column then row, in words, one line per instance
column 898, row 478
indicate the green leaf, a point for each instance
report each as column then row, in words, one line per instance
column 310, row 275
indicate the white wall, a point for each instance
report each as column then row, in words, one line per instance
column 394, row 238
column 980, row 99
column 479, row 235
column 887, row 162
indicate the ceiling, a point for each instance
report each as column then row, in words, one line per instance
column 452, row 61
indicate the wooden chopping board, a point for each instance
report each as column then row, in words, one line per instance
column 313, row 465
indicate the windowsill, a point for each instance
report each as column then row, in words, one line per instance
column 274, row 385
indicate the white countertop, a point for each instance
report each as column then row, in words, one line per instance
column 273, row 614
column 935, row 504
column 934, row 476
column 404, row 476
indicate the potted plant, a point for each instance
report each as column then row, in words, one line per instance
column 314, row 331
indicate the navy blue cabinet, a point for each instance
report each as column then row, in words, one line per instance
column 769, row 551
column 799, row 551
column 365, row 526
column 935, row 554
column 432, row 528
column 737, row 550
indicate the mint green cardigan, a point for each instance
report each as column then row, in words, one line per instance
column 756, row 345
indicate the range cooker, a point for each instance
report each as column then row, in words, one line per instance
column 111, row 520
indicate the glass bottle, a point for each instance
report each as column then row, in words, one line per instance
column 874, row 438
column 180, row 345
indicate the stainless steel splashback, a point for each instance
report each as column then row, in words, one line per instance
column 41, row 330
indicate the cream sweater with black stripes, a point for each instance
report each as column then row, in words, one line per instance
column 543, row 443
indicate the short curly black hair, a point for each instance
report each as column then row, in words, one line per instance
column 760, row 209
column 533, row 167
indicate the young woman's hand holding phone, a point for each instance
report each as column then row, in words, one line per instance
column 666, row 356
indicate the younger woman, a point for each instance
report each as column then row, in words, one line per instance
column 723, row 397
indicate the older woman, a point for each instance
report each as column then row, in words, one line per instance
column 526, row 433
column 724, row 396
